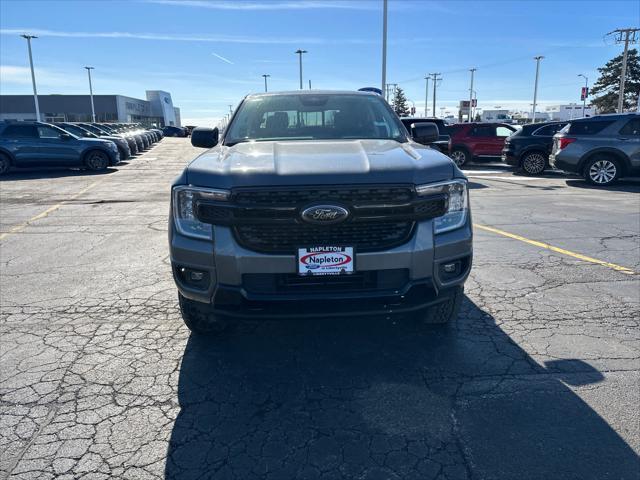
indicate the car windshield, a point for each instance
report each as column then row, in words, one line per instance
column 314, row 117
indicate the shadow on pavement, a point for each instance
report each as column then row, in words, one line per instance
column 624, row 185
column 386, row 398
column 36, row 173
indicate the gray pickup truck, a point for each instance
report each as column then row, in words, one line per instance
column 315, row 204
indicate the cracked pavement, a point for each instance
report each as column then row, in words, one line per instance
column 99, row 378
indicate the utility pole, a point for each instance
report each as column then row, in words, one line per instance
column 265, row 81
column 626, row 35
column 426, row 96
column 435, row 87
column 535, row 88
column 230, row 109
column 93, row 110
column 384, row 45
column 586, row 92
column 392, row 92
column 33, row 76
column 472, row 70
column 300, row 52
column 309, row 84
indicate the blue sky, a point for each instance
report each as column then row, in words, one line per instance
column 209, row 54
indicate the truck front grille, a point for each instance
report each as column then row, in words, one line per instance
column 268, row 219
column 365, row 237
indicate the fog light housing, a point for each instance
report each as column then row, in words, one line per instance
column 192, row 278
column 450, row 267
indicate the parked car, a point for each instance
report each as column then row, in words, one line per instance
column 443, row 144
column 319, row 208
column 477, row 141
column 529, row 148
column 101, row 129
column 170, row 131
column 601, row 149
column 123, row 146
column 37, row 144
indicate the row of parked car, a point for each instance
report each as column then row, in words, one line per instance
column 94, row 146
column 601, row 149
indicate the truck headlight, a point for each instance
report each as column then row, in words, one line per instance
column 184, row 209
column 457, row 203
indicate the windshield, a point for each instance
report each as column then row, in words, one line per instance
column 314, row 117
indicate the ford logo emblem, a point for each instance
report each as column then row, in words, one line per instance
column 324, row 214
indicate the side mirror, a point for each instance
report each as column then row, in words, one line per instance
column 204, row 137
column 65, row 136
column 425, row 132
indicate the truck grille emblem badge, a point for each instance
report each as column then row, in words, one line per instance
column 324, row 214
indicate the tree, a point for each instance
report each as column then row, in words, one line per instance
column 400, row 103
column 607, row 86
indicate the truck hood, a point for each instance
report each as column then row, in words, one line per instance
column 319, row 162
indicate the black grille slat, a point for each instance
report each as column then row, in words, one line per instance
column 365, row 237
column 350, row 195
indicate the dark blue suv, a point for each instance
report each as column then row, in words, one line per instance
column 36, row 144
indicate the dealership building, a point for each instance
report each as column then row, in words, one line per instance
column 156, row 110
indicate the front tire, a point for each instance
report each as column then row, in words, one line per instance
column 444, row 312
column 97, row 161
column 199, row 319
column 533, row 163
column 460, row 157
column 601, row 171
column 5, row 164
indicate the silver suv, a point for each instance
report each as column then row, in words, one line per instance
column 314, row 204
column 601, row 149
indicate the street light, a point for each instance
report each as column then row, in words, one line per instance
column 265, row 81
column 535, row 89
column 300, row 52
column 384, row 45
column 93, row 110
column 586, row 92
column 33, row 76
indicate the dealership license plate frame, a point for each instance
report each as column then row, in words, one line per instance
column 346, row 250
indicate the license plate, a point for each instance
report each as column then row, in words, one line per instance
column 325, row 260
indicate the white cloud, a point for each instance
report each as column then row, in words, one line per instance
column 184, row 38
column 273, row 5
column 15, row 74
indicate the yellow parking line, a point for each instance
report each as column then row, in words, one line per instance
column 22, row 226
column 546, row 246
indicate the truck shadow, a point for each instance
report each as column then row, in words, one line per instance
column 386, row 398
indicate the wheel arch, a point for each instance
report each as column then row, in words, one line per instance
column 625, row 163
column 92, row 149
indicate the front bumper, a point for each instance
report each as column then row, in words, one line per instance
column 225, row 263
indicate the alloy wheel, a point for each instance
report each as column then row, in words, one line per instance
column 459, row 157
column 603, row 172
column 534, row 163
column 97, row 161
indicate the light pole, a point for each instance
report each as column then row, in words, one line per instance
column 384, row 45
column 472, row 70
column 300, row 52
column 93, row 110
column 586, row 92
column 265, row 81
column 426, row 96
column 230, row 109
column 535, row 88
column 33, row 76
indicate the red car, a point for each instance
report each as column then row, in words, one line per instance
column 471, row 141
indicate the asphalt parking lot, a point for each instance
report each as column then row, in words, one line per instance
column 100, row 379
